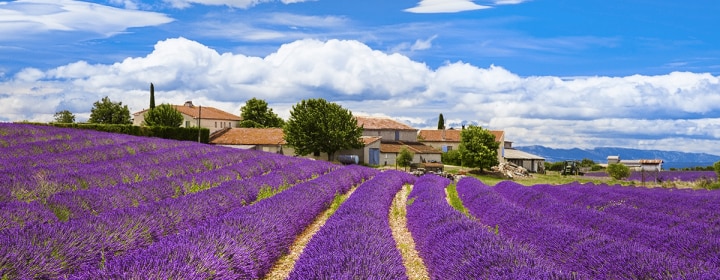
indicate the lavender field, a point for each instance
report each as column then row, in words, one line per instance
column 77, row 204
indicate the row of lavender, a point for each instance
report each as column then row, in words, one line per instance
column 62, row 186
column 243, row 243
column 105, row 222
column 356, row 242
column 605, row 232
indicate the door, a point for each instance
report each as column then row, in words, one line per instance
column 374, row 155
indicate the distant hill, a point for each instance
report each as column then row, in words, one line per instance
column 672, row 159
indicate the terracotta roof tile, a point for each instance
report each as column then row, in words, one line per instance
column 205, row 113
column 369, row 139
column 451, row 135
column 381, row 123
column 251, row 136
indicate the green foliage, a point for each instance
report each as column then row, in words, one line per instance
column 152, row 96
column 108, row 112
column 316, row 125
column 618, row 171
column 174, row 133
column 163, row 115
column 716, row 167
column 554, row 166
column 586, row 162
column 451, row 157
column 64, row 116
column 256, row 113
column 596, row 167
column 441, row 122
column 478, row 148
column 405, row 157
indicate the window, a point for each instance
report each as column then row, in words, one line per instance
column 187, row 123
column 215, row 124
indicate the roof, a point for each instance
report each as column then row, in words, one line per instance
column 641, row 161
column 202, row 111
column 251, row 136
column 517, row 154
column 378, row 123
column 369, row 139
column 451, row 135
column 415, row 147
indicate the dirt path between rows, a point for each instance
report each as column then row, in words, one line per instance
column 414, row 266
column 283, row 267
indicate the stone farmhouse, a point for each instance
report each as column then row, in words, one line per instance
column 383, row 140
column 394, row 136
column 449, row 139
column 208, row 117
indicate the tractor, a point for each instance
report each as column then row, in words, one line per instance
column 571, row 167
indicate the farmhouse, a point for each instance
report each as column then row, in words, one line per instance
column 261, row 139
column 528, row 161
column 449, row 139
column 637, row 164
column 272, row 140
column 209, row 117
column 394, row 136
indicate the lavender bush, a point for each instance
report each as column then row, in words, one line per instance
column 356, row 242
column 455, row 247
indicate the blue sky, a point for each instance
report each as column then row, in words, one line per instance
column 639, row 74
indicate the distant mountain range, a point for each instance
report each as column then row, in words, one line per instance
column 671, row 159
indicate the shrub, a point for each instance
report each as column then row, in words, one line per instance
column 452, row 157
column 618, row 171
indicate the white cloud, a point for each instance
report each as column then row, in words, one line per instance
column 24, row 18
column 445, row 6
column 632, row 111
column 243, row 4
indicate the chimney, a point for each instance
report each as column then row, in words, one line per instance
column 189, row 104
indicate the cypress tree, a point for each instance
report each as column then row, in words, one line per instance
column 441, row 122
column 152, row 96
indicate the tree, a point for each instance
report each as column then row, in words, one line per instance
column 716, row 166
column 108, row 112
column 64, row 116
column 163, row 115
column 152, row 96
column 478, row 148
column 316, row 125
column 451, row 157
column 618, row 171
column 405, row 158
column 441, row 122
column 256, row 113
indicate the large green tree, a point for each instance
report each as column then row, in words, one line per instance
column 64, row 116
column 163, row 115
column 256, row 113
column 478, row 148
column 108, row 112
column 316, row 125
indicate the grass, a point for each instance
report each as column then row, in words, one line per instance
column 551, row 177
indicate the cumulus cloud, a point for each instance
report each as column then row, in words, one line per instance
column 28, row 17
column 445, row 6
column 631, row 111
